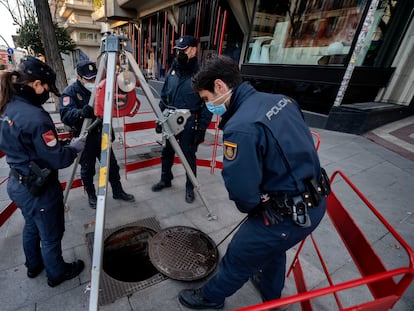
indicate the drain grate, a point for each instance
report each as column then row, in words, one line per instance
column 183, row 253
column 112, row 289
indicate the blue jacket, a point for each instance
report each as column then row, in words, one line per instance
column 27, row 133
column 74, row 98
column 177, row 92
column 268, row 148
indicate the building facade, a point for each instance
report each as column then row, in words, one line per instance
column 75, row 16
column 302, row 48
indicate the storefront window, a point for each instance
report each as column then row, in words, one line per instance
column 304, row 32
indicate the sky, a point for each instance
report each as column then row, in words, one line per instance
column 7, row 29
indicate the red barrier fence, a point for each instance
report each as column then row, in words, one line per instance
column 382, row 286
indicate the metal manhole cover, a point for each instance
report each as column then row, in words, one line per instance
column 183, row 253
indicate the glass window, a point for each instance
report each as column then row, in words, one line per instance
column 304, row 32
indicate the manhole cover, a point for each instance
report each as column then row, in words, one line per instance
column 183, row 253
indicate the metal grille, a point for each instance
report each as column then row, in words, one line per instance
column 183, row 253
column 112, row 289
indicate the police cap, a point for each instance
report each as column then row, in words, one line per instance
column 184, row 42
column 86, row 69
column 40, row 71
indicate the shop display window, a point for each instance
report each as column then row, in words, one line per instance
column 315, row 32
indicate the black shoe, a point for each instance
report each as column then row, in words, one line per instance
column 193, row 299
column 32, row 273
column 161, row 185
column 124, row 196
column 72, row 270
column 189, row 196
column 256, row 280
column 92, row 199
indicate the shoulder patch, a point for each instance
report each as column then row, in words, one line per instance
column 49, row 138
column 230, row 150
column 66, row 100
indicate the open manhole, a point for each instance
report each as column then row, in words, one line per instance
column 130, row 236
column 125, row 255
column 183, row 253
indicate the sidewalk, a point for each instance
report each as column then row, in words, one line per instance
column 383, row 176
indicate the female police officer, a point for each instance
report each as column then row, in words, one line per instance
column 28, row 138
column 271, row 171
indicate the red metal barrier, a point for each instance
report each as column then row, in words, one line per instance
column 150, row 124
column 385, row 286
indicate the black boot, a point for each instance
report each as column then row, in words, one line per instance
column 189, row 196
column 92, row 199
column 161, row 185
column 72, row 270
column 122, row 195
column 194, row 299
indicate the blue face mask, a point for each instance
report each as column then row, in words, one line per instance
column 219, row 109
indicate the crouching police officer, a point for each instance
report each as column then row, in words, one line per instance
column 74, row 108
column 271, row 171
column 28, row 138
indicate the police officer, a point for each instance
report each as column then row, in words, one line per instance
column 177, row 93
column 74, row 108
column 28, row 138
column 271, row 171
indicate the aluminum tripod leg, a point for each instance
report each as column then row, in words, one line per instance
column 171, row 138
column 85, row 125
column 103, row 181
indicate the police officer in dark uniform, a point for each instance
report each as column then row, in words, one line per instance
column 74, row 108
column 177, row 93
column 271, row 171
column 28, row 138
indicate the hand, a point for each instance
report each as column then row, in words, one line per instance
column 87, row 112
column 158, row 128
column 78, row 144
column 199, row 136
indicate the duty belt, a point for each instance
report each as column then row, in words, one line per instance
column 275, row 208
column 21, row 178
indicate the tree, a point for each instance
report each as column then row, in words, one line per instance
column 29, row 37
column 25, row 13
column 50, row 42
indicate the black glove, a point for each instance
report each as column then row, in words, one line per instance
column 199, row 136
column 158, row 128
column 87, row 112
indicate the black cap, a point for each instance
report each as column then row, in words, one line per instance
column 86, row 69
column 184, row 42
column 40, row 71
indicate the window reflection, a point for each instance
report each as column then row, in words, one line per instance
column 304, row 32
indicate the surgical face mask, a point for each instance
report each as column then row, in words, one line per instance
column 89, row 86
column 221, row 108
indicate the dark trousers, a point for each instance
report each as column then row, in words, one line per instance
column 185, row 140
column 44, row 226
column 87, row 161
column 256, row 247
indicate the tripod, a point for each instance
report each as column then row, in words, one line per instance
column 116, row 50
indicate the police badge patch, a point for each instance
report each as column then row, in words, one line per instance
column 66, row 100
column 230, row 150
column 49, row 138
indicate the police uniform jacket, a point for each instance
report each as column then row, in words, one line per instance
column 177, row 92
column 74, row 98
column 29, row 134
column 268, row 148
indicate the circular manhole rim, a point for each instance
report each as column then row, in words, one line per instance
column 203, row 261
